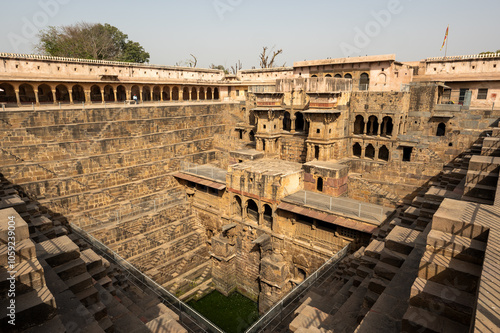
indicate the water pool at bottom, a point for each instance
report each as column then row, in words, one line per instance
column 233, row 314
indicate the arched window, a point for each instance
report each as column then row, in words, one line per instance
column 268, row 216
column 319, row 184
column 316, row 152
column 299, row 122
column 209, row 93
column 387, row 126
column 338, row 76
column 78, row 93
column 8, row 95
column 62, row 93
column 356, row 150
column 194, row 94
column 135, row 91
column 146, row 94
column 441, row 130
column 45, row 94
column 359, row 125
column 237, row 206
column 370, row 151
column 202, row 94
column 252, row 211
column 314, row 75
column 287, row 122
column 185, row 94
column 372, row 125
column 251, row 136
column 175, row 93
column 383, row 153
column 121, row 93
column 328, row 75
column 156, row 93
column 26, row 93
column 364, row 81
column 95, row 94
column 109, row 95
column 216, row 93
column 348, row 76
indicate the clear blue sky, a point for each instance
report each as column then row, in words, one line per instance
column 224, row 31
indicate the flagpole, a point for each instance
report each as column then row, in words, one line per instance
column 447, row 38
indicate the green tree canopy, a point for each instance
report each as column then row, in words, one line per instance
column 90, row 41
column 489, row 52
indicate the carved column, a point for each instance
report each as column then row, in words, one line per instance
column 365, row 128
column 19, row 99
column 363, row 151
column 54, row 96
column 87, row 97
column 71, row 97
column 115, row 94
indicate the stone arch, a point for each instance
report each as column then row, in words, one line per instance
column 299, row 122
column 383, row 153
column 251, row 136
column 135, row 91
column 328, row 75
column 359, row 125
column 156, row 93
column 45, row 94
column 175, row 93
column 216, row 93
column 185, row 93
column 338, row 76
column 356, row 150
column 382, row 78
column 8, row 95
column 364, row 81
column 202, row 94
column 78, row 93
column 441, row 129
column 146, row 94
column 26, row 93
column 348, row 76
column 287, row 122
column 387, row 126
column 268, row 216
column 372, row 125
column 109, row 95
column 166, row 93
column 314, row 75
column 252, row 211
column 95, row 93
column 121, row 93
column 62, row 93
column 370, row 151
column 209, row 93
column 194, row 94
column 237, row 207
column 319, row 184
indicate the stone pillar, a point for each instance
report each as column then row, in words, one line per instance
column 321, row 156
column 365, row 129
column 198, row 94
column 54, row 96
column 151, row 95
column 102, row 96
column 384, row 123
column 181, row 94
column 190, row 94
column 161, row 95
column 205, row 93
column 258, row 144
column 18, row 99
column 377, row 149
column 140, row 94
column 87, row 97
column 129, row 94
column 71, row 98
column 170, row 94
column 371, row 127
column 115, row 94
column 37, row 100
column 292, row 124
column 363, row 151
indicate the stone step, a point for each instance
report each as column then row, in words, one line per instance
column 88, row 296
column 454, row 246
column 165, row 324
column 53, row 325
column 42, row 223
column 402, row 240
column 58, row 251
column 417, row 320
column 308, row 317
column 374, row 249
column 445, row 220
column 378, row 285
column 92, row 259
column 448, row 271
column 21, row 227
column 79, row 282
column 71, row 269
column 412, row 212
column 454, row 304
column 98, row 310
column 24, row 250
column 32, row 308
column 98, row 272
column 28, row 276
column 385, row 271
column 106, row 325
column 393, row 258
column 368, row 262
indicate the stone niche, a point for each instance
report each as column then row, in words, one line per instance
column 326, row 177
column 275, row 278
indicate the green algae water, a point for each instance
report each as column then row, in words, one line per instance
column 233, row 314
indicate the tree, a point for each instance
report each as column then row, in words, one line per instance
column 90, row 41
column 489, row 52
column 237, row 67
column 219, row 67
column 264, row 57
